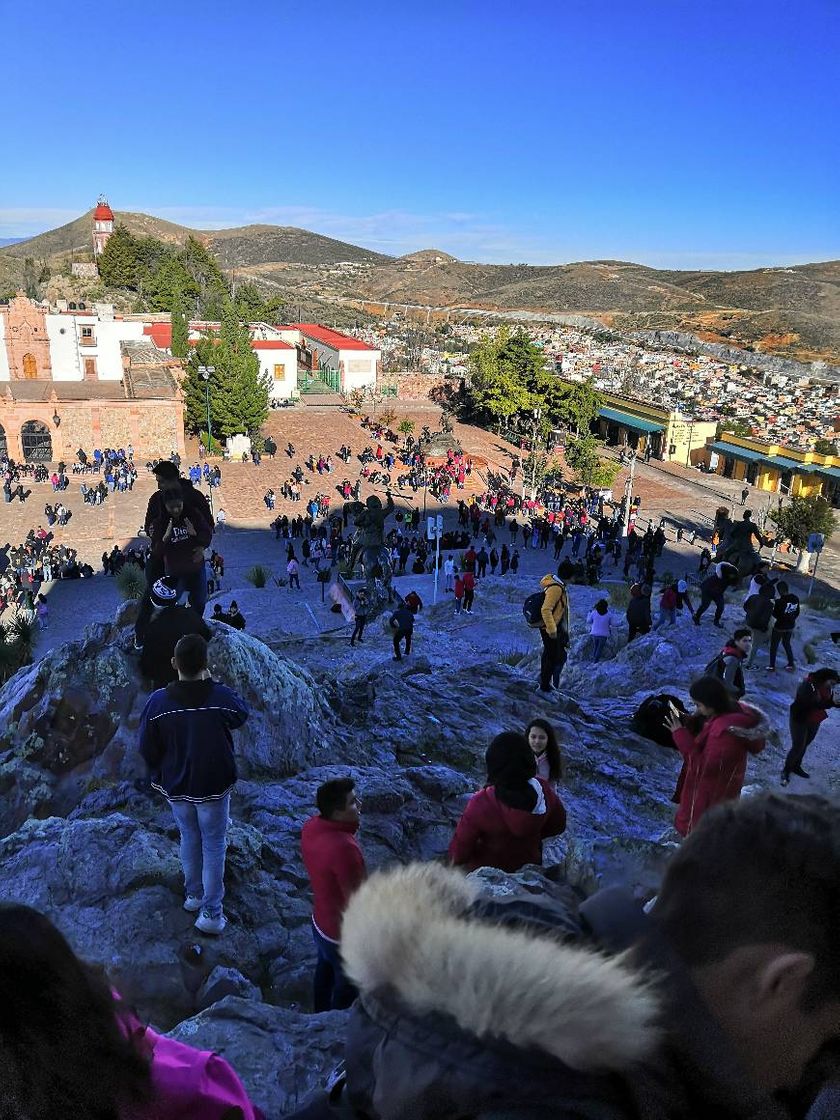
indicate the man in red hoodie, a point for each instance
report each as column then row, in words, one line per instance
column 336, row 867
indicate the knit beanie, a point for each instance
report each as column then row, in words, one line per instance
column 510, row 767
column 163, row 594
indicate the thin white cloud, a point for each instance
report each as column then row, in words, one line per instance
column 469, row 236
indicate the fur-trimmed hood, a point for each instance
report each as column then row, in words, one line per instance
column 409, row 935
column 752, row 724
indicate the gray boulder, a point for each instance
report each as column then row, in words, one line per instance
column 280, row 1055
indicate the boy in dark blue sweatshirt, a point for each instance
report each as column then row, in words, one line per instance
column 186, row 741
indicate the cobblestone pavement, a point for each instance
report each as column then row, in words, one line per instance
column 667, row 490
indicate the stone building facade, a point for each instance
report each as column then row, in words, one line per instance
column 71, row 381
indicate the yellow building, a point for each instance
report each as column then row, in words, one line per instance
column 774, row 468
column 671, row 436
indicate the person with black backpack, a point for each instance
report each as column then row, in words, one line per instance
column 729, row 663
column 785, row 613
column 758, row 611
column 548, row 611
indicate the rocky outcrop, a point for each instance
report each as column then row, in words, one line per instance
column 70, row 721
column 280, row 1054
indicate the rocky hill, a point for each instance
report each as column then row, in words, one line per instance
column 793, row 312
column 78, row 841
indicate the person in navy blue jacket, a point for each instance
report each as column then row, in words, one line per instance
column 187, row 743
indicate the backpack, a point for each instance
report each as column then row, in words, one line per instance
column 532, row 608
column 716, row 667
column 649, row 718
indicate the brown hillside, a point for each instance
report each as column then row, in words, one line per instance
column 791, row 311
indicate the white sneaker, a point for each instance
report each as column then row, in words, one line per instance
column 207, row 924
column 192, row 903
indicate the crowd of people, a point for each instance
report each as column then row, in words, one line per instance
column 466, row 1004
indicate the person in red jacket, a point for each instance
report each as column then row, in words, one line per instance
column 715, row 746
column 469, row 591
column 505, row 823
column 336, row 867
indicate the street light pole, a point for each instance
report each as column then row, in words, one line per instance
column 628, row 494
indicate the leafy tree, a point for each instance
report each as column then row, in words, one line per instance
column 239, row 393
column 534, row 469
column 801, row 517
column 180, row 328
column 387, row 416
column 253, row 307
column 30, row 278
column 582, row 455
column 734, row 427
column 826, row 447
column 406, row 427
column 578, row 406
column 170, row 277
column 121, row 262
column 501, row 366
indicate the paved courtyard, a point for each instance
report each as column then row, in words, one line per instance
column 667, row 490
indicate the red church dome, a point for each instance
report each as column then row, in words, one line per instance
column 103, row 212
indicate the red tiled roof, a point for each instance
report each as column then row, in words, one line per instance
column 270, row 344
column 103, row 213
column 334, row 339
column 160, row 334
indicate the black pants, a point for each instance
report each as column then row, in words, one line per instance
column 801, row 737
column 706, row 599
column 635, row 629
column 358, row 629
column 777, row 636
column 398, row 636
column 553, row 653
column 153, row 572
column 482, row 569
column 469, row 596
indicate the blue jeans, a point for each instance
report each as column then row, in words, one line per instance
column 666, row 614
column 203, row 827
column 598, row 643
column 332, row 990
column 194, row 584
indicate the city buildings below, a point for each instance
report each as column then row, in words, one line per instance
column 774, row 468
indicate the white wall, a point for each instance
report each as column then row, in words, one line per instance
column 287, row 387
column 64, row 350
column 4, row 357
column 65, row 332
column 359, row 368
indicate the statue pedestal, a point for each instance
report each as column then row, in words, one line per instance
column 440, row 444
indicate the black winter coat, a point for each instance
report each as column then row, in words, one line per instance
column 460, row 1020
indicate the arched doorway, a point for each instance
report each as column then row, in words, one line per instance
column 3, row 450
column 30, row 366
column 36, row 441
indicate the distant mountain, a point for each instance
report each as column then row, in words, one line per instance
column 235, row 248
column 794, row 312
column 9, row 240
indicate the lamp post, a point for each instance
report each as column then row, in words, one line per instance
column 205, row 373
column 628, row 494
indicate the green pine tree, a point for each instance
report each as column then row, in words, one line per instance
column 180, row 328
column 121, row 264
column 239, row 393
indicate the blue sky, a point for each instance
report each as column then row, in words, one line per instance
column 671, row 132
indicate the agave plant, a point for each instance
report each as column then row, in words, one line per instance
column 130, row 581
column 258, row 575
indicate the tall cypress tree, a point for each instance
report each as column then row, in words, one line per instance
column 180, row 327
column 239, row 393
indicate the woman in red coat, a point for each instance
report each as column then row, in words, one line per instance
column 505, row 823
column 714, row 746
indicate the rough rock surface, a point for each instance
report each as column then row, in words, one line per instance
column 82, row 844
